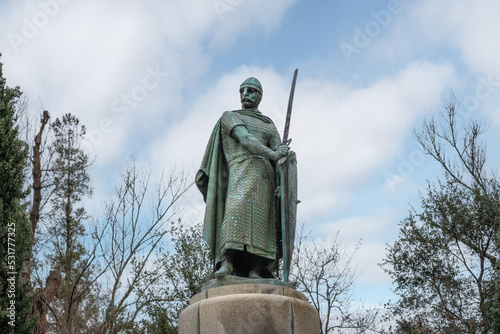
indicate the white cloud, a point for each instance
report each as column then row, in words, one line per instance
column 368, row 257
column 469, row 26
column 85, row 55
column 472, row 29
column 243, row 18
column 364, row 238
column 355, row 228
column 461, row 31
column 372, row 231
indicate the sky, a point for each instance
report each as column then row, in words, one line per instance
column 150, row 78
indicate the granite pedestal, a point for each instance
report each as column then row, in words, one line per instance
column 246, row 306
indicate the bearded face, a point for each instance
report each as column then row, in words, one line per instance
column 250, row 98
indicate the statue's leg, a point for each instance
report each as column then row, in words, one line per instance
column 227, row 265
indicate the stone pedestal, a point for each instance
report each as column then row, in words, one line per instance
column 249, row 307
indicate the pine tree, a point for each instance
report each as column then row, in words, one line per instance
column 75, row 299
column 15, row 234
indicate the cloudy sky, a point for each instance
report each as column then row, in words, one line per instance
column 150, row 78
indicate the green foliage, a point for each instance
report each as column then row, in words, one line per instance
column 440, row 261
column 443, row 263
column 413, row 326
column 495, row 309
column 71, row 182
column 189, row 266
column 159, row 322
column 15, row 234
column 186, row 268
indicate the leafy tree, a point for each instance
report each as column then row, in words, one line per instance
column 15, row 242
column 74, row 308
column 443, row 261
column 187, row 267
column 495, row 309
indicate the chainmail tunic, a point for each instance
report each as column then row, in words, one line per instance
column 250, row 220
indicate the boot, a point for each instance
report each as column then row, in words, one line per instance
column 226, row 267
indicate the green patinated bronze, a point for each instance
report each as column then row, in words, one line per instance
column 238, row 181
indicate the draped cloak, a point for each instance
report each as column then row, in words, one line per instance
column 213, row 179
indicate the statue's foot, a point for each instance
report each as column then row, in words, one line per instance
column 225, row 269
column 254, row 274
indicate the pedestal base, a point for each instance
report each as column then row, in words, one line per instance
column 249, row 309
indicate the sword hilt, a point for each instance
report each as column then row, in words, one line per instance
column 283, row 158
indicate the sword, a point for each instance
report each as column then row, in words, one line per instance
column 287, row 141
column 289, row 110
column 281, row 172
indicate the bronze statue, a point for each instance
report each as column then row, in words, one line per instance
column 238, row 181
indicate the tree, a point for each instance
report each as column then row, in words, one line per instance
column 36, row 172
column 15, row 243
column 443, row 261
column 106, row 283
column 133, row 230
column 187, row 267
column 495, row 309
column 73, row 305
column 323, row 272
column 39, row 307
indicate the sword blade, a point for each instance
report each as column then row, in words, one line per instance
column 289, row 110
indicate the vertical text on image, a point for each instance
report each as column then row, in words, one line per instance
column 11, row 267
